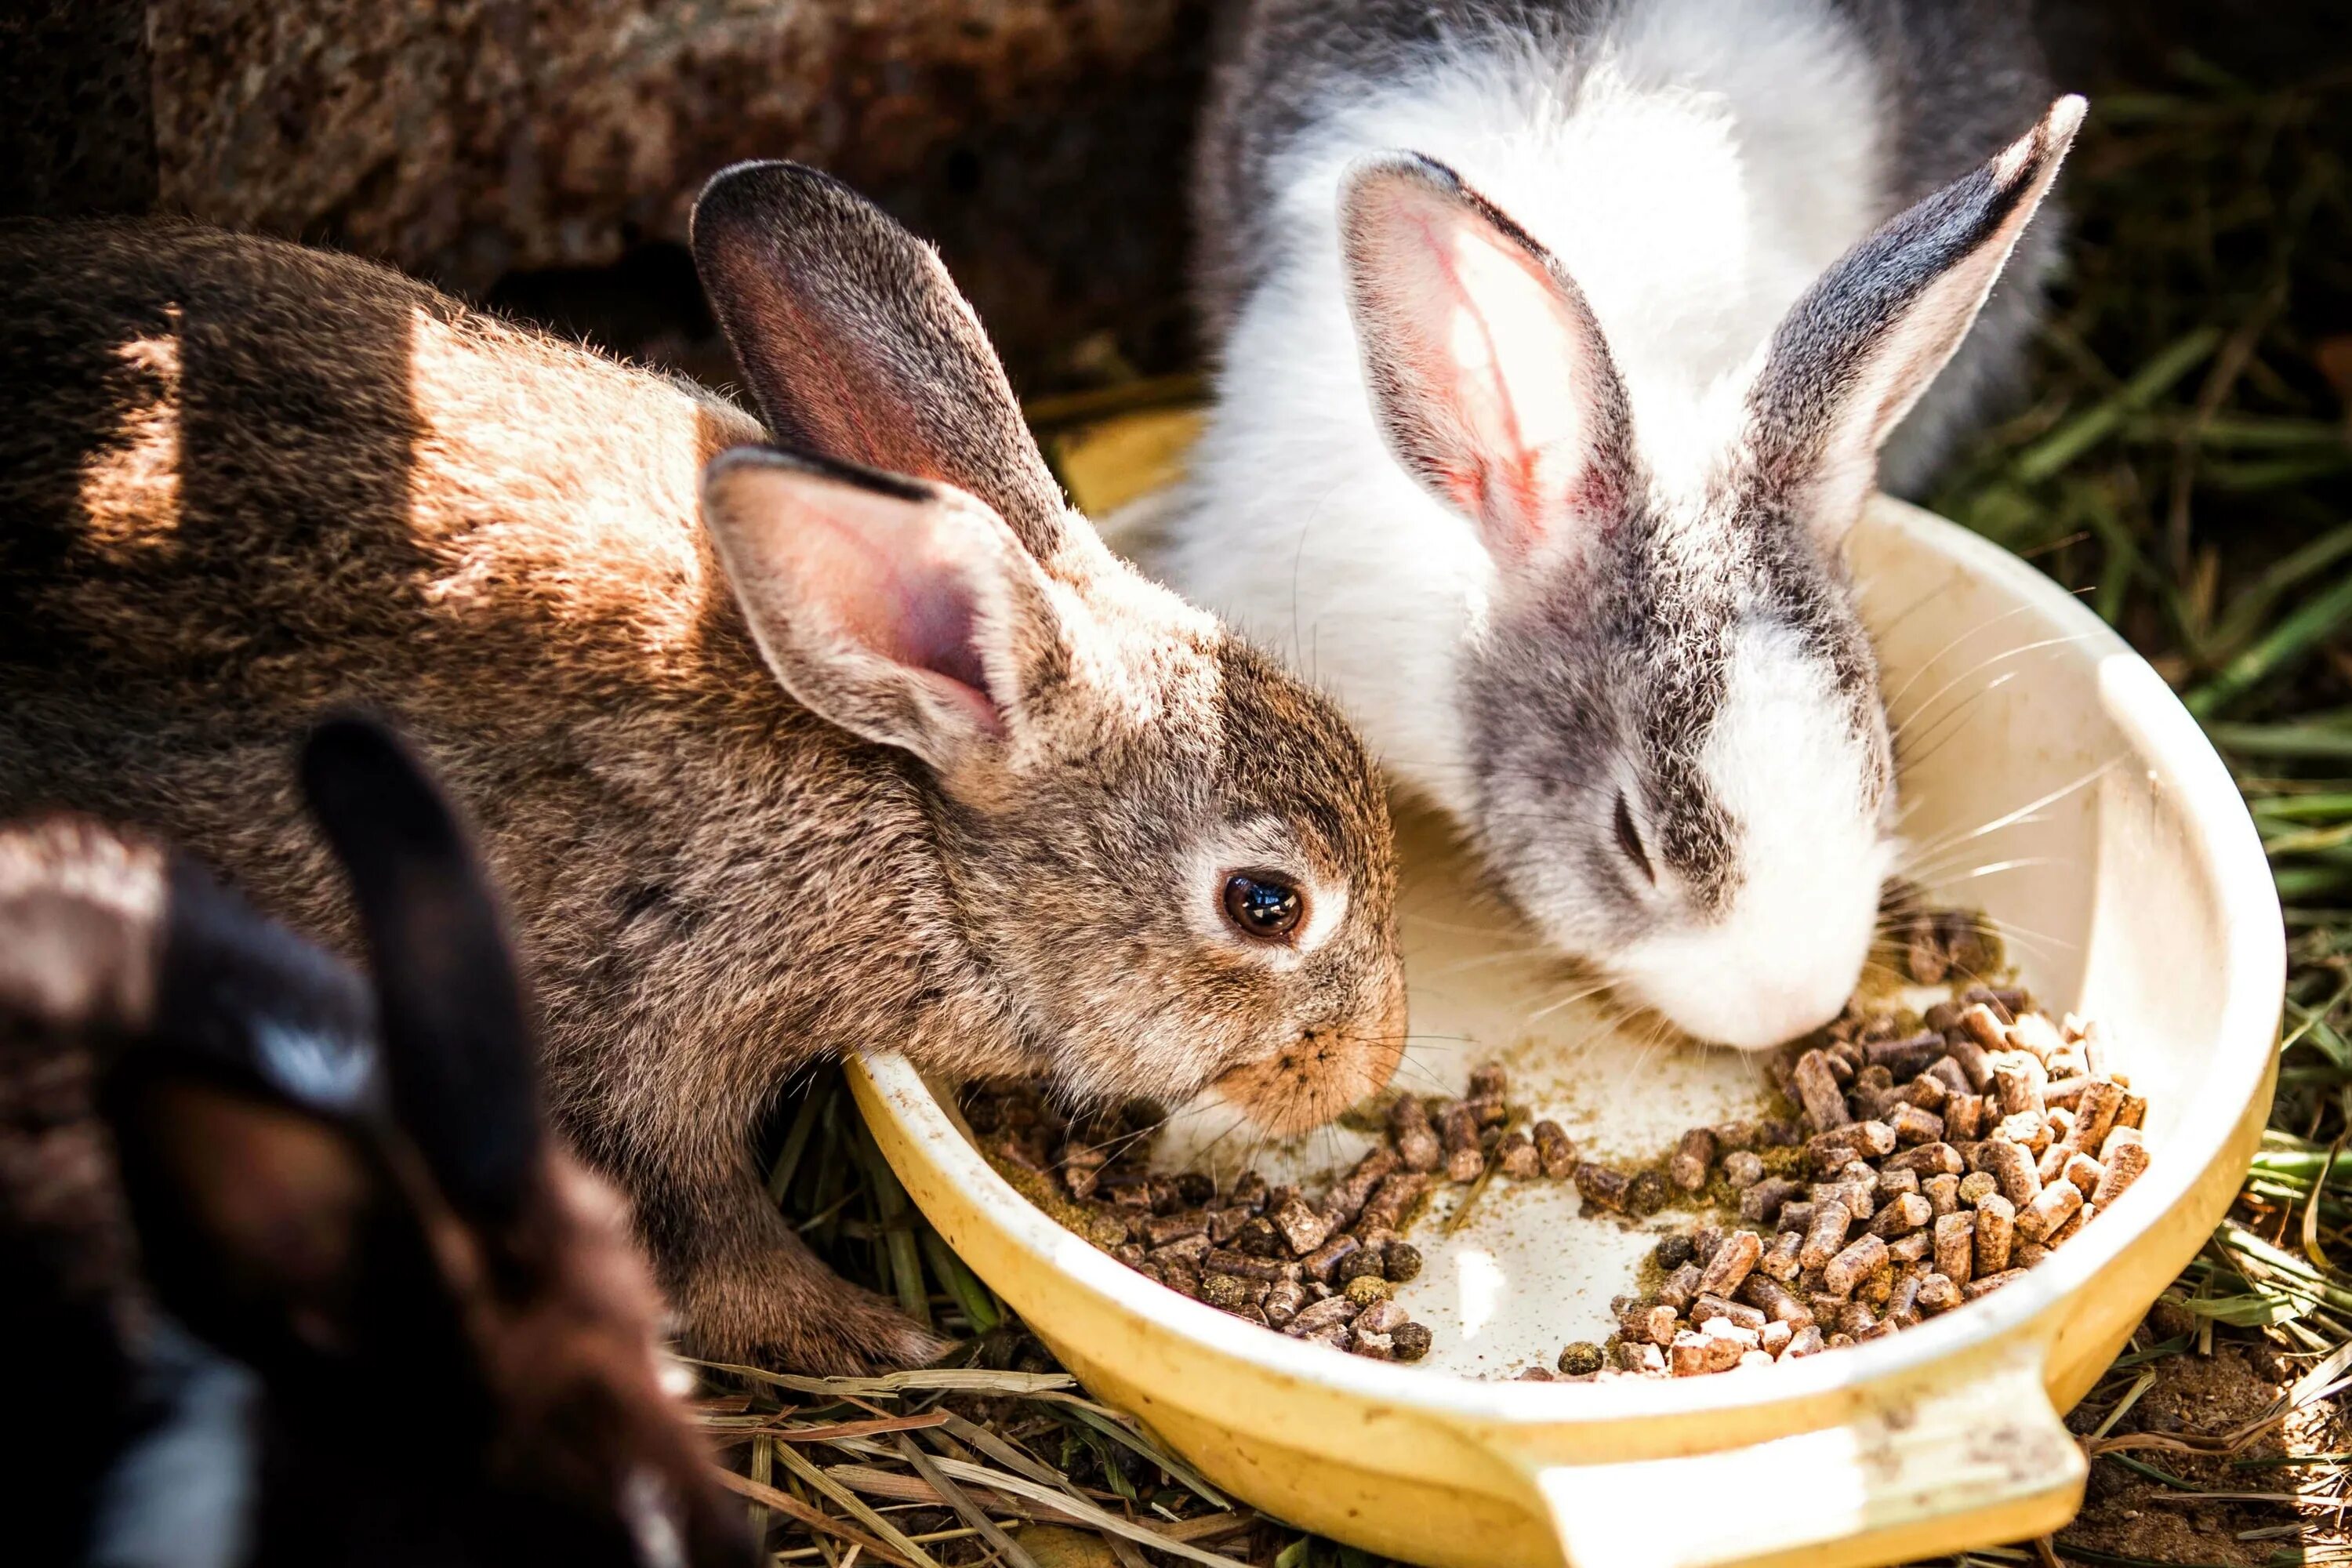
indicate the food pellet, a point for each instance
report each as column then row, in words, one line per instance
column 1944, row 1162
column 1687, row 1167
column 1581, row 1359
column 1555, row 1150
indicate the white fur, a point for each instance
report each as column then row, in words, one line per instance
column 1785, row 954
column 1716, row 158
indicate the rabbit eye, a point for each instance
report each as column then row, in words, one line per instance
column 1629, row 838
column 1262, row 905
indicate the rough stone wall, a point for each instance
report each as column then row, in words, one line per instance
column 1040, row 141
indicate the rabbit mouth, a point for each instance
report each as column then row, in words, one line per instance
column 1310, row 1079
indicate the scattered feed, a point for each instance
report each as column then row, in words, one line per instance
column 1929, row 1161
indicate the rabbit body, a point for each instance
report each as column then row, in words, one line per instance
column 246, row 479
column 1515, row 304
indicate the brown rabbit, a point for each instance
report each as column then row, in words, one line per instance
column 348, row 1195
column 780, row 758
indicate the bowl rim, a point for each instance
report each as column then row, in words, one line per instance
column 2222, row 837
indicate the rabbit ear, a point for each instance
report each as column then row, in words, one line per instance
column 1487, row 373
column 457, row 1042
column 857, row 346
column 274, row 1231
column 903, row 613
column 1857, row 350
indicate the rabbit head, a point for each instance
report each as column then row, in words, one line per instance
column 1176, row 856
column 1681, row 765
column 351, row 1193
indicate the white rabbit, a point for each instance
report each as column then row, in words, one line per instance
column 1559, row 345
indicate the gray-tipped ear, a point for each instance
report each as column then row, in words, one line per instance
column 857, row 345
column 1855, row 353
column 905, row 613
column 1487, row 373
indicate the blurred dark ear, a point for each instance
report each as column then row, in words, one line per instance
column 275, row 1233
column 456, row 1039
column 858, row 347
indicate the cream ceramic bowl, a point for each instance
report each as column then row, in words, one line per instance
column 2051, row 779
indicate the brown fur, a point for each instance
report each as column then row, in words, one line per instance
column 240, row 481
column 505, row 1372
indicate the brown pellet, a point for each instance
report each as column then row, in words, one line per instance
column 1392, row 1200
column 1996, row 1229
column 1947, row 1071
column 1829, row 1151
column 1458, row 1130
column 2035, row 1036
column 1681, row 1287
column 1912, row 1125
column 2052, row 1207
column 1775, row 1339
column 2011, row 1166
column 1600, row 1185
column 2124, row 1164
column 1347, row 1199
column 1735, row 1137
column 1905, row 1214
column 1317, row 1316
column 1647, row 1192
column 1416, row 1142
column 1976, row 1184
column 1412, row 1342
column 2019, row 1080
column 1581, row 1359
column 1247, row 1266
column 2134, row 1112
column 1731, row 1263
column 1781, row 1262
column 1928, row 1159
column 1555, row 1148
column 1364, row 1263
column 1515, row 1154
column 1985, row 1284
column 1902, row 1302
column 1855, row 1319
column 1489, row 1080
column 1324, row 1262
column 1955, row 1246
column 1301, row 1227
column 1938, row 1292
column 1694, row 1155
column 2084, row 1171
column 1942, row 1192
column 1964, row 1117
column 1797, row 1214
column 1826, row 1236
column 1401, row 1262
column 1860, row 1260
column 1911, row 1248
column 1805, row 1342
column 1774, row 1300
column 1487, row 1112
column 1892, row 1185
column 1653, row 1321
column 1708, row 1309
column 1743, row 1167
column 1762, row 1201
column 1818, row 1091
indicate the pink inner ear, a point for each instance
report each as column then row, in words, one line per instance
column 1491, row 363
column 894, row 587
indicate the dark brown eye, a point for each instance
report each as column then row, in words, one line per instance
column 1261, row 906
column 1629, row 840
